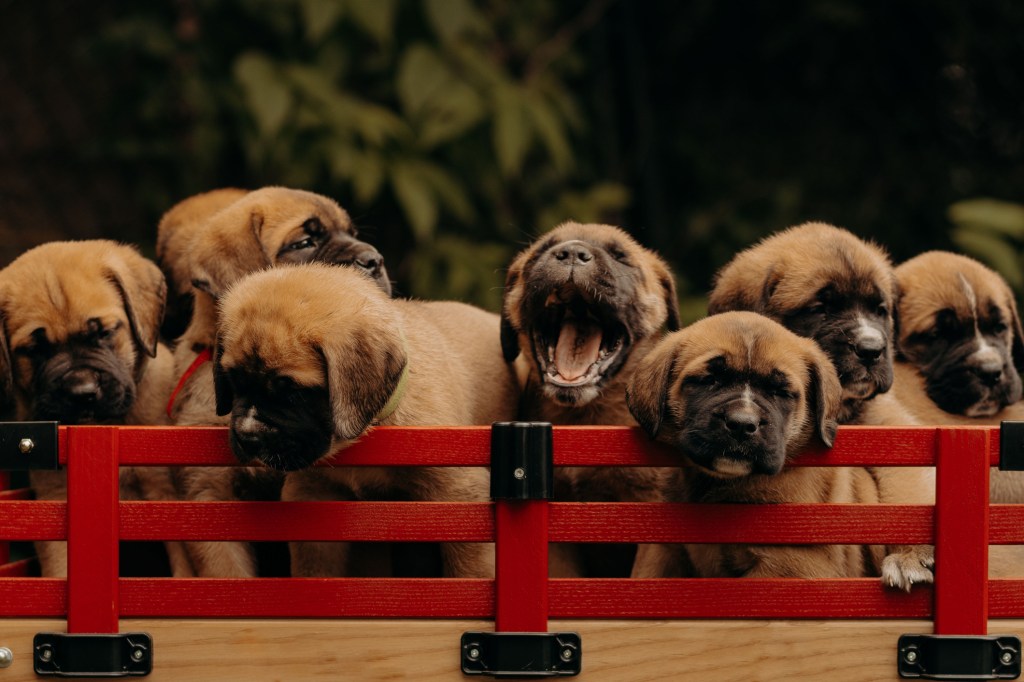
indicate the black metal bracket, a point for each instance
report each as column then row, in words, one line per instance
column 1011, row 446
column 59, row 654
column 522, row 654
column 522, row 463
column 959, row 657
column 28, row 445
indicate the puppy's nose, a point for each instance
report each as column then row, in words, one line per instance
column 369, row 259
column 82, row 385
column 869, row 348
column 573, row 253
column 743, row 422
column 990, row 373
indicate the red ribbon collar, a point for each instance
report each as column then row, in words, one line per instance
column 204, row 356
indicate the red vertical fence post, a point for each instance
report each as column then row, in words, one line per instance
column 93, row 529
column 521, row 578
column 961, row 533
column 521, row 485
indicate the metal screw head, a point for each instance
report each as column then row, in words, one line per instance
column 46, row 654
column 911, row 656
column 138, row 654
column 519, row 473
column 474, row 654
column 1006, row 658
column 26, row 445
column 566, row 654
column 6, row 657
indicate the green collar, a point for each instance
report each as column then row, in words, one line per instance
column 396, row 396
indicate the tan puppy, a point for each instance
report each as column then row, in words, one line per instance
column 583, row 304
column 304, row 371
column 79, row 346
column 961, row 349
column 738, row 395
column 826, row 284
column 228, row 233
column 210, row 241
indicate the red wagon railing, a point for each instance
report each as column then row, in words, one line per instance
column 522, row 598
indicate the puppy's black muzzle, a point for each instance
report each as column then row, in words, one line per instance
column 83, row 388
column 358, row 254
column 737, row 431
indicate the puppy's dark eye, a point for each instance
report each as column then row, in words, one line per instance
column 301, row 245
column 999, row 327
column 882, row 310
column 617, row 253
column 816, row 309
column 703, row 380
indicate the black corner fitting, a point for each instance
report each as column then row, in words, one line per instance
column 522, row 463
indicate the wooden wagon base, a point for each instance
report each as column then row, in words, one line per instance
column 619, row 650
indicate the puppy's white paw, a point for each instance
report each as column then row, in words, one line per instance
column 909, row 566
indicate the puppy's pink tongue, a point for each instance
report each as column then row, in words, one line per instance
column 579, row 346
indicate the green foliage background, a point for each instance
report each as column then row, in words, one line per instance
column 457, row 130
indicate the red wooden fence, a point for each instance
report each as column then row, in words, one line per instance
column 521, row 598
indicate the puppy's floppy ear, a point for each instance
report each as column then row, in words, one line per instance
column 144, row 294
column 222, row 390
column 668, row 287
column 736, row 289
column 824, row 396
column 363, row 372
column 509, row 336
column 897, row 298
column 509, row 339
column 647, row 391
column 768, row 287
column 228, row 248
column 1017, row 348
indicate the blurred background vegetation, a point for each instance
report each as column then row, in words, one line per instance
column 455, row 131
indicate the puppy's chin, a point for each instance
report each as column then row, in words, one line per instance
column 730, row 460
column 962, row 393
column 58, row 406
column 571, row 396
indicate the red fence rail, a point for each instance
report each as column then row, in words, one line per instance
column 961, row 525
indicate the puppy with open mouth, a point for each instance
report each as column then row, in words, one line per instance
column 310, row 357
column 739, row 395
column 79, row 345
column 826, row 284
column 582, row 306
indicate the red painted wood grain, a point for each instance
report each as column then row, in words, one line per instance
column 93, row 530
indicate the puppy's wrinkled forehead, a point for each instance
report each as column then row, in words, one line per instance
column 65, row 297
column 843, row 271
column 937, row 281
column 264, row 347
column 747, row 344
column 286, row 206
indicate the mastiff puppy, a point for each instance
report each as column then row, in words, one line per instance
column 959, row 332
column 209, row 242
column 583, row 304
column 961, row 349
column 231, row 232
column 738, row 395
column 304, row 371
column 78, row 345
column 826, row 284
